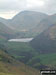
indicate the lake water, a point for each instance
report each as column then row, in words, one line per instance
column 21, row 40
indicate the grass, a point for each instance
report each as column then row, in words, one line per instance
column 45, row 59
column 16, row 49
column 14, row 67
column 6, row 74
column 19, row 46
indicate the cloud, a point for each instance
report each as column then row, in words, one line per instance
column 11, row 5
column 15, row 6
column 49, row 7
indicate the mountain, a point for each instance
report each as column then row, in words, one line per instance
column 9, row 66
column 30, row 23
column 46, row 41
column 24, row 23
column 24, row 20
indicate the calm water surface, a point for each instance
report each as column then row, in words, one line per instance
column 21, row 40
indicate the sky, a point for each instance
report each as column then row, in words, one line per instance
column 9, row 8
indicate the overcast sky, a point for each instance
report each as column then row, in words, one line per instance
column 8, row 8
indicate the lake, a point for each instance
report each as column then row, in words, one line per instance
column 21, row 40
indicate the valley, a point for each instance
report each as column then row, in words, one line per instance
column 27, row 43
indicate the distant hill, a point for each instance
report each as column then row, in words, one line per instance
column 3, row 20
column 26, row 20
column 6, row 22
column 5, row 32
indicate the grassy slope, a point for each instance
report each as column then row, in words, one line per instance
column 9, row 66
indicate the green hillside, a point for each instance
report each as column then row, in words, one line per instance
column 21, row 51
column 26, row 54
column 43, row 61
column 9, row 66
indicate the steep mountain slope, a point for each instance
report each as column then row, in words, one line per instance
column 9, row 66
column 46, row 41
column 44, row 24
column 5, row 32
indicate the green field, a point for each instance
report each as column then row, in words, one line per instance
column 26, row 54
